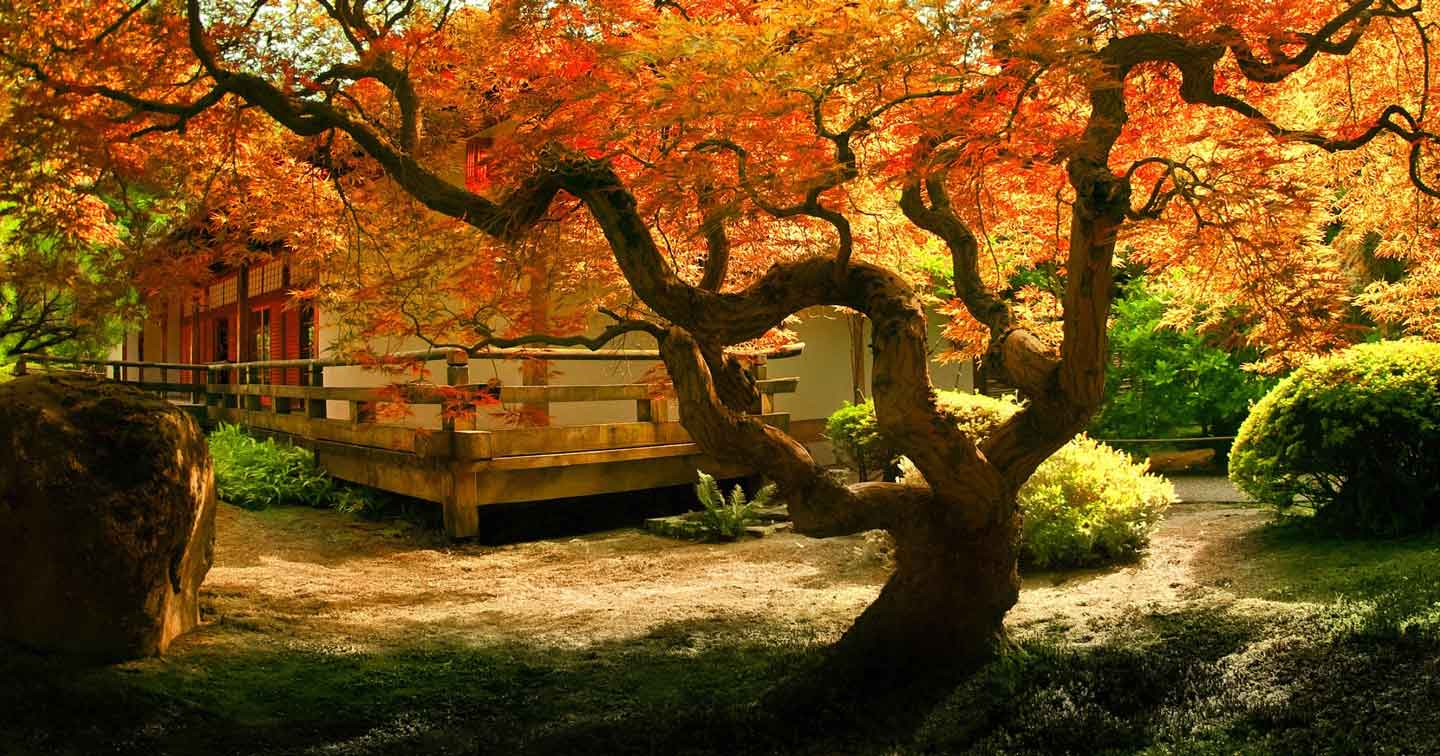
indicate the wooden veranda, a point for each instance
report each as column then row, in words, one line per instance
column 452, row 463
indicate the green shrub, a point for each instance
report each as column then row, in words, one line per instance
column 1165, row 382
column 257, row 474
column 1354, row 436
column 977, row 414
column 727, row 518
column 856, row 439
column 1087, row 504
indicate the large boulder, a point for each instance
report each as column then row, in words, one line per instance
column 107, row 517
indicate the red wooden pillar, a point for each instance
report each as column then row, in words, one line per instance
column 242, row 349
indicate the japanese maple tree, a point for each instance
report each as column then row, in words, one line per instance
column 737, row 162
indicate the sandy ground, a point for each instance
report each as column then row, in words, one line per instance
column 320, row 581
column 1215, row 488
column 1198, row 547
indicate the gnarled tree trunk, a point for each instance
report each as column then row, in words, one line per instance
column 942, row 613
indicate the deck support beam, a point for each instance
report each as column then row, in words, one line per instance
column 461, row 508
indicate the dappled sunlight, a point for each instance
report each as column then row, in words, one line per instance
column 322, row 580
column 316, row 580
column 1193, row 552
column 400, row 643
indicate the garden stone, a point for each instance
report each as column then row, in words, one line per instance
column 107, row 517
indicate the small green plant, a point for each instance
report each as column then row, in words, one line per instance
column 727, row 518
column 257, row 474
column 1354, row 437
column 856, row 439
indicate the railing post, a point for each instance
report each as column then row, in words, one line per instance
column 20, row 366
column 315, row 408
column 766, row 404
column 214, row 403
column 117, row 373
column 252, row 401
column 457, row 373
column 652, row 410
column 461, row 508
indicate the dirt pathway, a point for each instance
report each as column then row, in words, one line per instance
column 317, row 581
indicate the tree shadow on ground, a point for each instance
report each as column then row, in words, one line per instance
column 1212, row 679
column 1205, row 679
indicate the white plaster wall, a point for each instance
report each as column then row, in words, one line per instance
column 824, row 366
column 823, row 369
column 954, row 376
column 126, row 349
column 419, row 416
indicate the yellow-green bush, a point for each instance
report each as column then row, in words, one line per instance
column 859, row 445
column 1087, row 504
column 1355, row 436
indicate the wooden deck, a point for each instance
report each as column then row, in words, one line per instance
column 454, row 465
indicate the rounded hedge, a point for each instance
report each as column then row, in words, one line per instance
column 1087, row 504
column 1355, row 436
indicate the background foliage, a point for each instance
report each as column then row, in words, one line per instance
column 257, row 474
column 855, row 437
column 1166, row 381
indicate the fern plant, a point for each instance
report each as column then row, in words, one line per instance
column 726, row 518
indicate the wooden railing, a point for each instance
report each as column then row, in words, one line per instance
column 457, row 464
column 247, row 385
column 115, row 370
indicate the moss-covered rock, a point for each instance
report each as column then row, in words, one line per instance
column 107, row 517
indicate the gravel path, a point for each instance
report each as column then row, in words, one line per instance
column 304, row 578
column 1211, row 488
